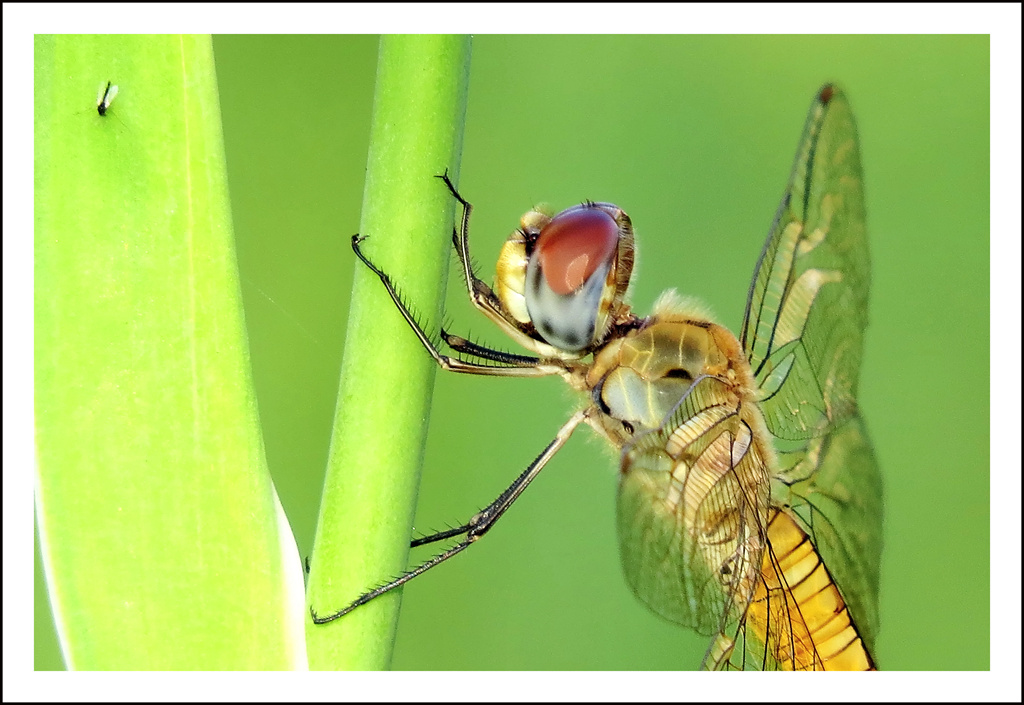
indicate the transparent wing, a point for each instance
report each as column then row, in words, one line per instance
column 702, row 546
column 834, row 492
column 692, row 509
column 790, row 580
column 803, row 336
column 807, row 308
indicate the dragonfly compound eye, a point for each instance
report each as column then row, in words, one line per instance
column 573, row 246
column 570, row 277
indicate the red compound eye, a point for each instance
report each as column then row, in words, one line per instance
column 573, row 245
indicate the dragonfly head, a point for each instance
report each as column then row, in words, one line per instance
column 563, row 278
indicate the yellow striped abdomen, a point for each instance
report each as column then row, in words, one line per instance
column 797, row 610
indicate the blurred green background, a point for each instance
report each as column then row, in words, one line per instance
column 694, row 137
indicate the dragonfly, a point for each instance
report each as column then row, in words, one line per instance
column 750, row 502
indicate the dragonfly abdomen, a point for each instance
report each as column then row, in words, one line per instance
column 797, row 609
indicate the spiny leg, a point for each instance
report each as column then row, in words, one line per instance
column 480, row 294
column 460, row 344
column 476, row 527
column 515, row 365
column 460, row 238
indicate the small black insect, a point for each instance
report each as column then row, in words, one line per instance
column 104, row 97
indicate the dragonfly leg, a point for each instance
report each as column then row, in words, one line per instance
column 478, row 290
column 480, row 294
column 508, row 365
column 460, row 344
column 480, row 524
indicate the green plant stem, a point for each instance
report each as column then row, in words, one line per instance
column 159, row 527
column 380, row 427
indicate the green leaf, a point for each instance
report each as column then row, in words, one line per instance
column 386, row 377
column 162, row 538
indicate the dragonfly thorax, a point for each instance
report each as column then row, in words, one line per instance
column 640, row 378
column 563, row 278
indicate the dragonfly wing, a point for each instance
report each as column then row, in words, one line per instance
column 692, row 511
column 835, row 494
column 702, row 546
column 776, row 553
column 807, row 308
column 803, row 336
